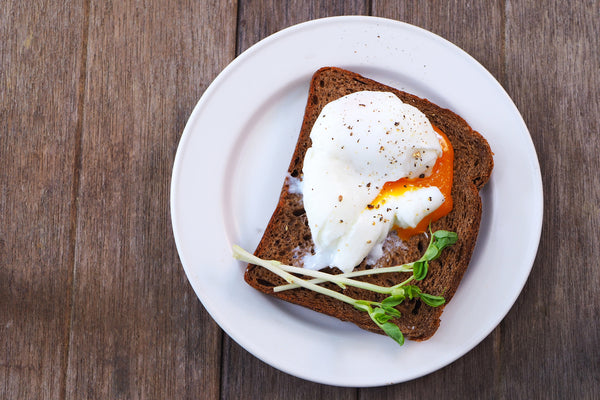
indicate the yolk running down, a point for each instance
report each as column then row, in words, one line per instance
column 441, row 176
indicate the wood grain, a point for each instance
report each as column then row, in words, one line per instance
column 138, row 330
column 476, row 27
column 259, row 19
column 94, row 96
column 553, row 65
column 40, row 68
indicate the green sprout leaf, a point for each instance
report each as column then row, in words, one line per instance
column 420, row 269
column 439, row 241
column 392, row 311
column 432, row 252
column 380, row 316
column 444, row 239
column 431, row 300
column 393, row 331
column 412, row 291
column 393, row 301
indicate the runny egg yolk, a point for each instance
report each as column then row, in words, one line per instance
column 441, row 176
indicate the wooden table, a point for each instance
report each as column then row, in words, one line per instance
column 94, row 97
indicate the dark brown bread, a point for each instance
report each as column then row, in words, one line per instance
column 288, row 230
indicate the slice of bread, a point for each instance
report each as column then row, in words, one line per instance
column 287, row 236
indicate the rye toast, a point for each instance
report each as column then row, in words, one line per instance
column 287, row 236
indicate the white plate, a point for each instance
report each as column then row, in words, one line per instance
column 232, row 160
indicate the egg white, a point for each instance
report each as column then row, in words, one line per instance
column 360, row 142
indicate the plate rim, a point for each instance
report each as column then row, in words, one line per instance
column 538, row 217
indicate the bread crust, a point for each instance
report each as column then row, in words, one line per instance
column 287, row 236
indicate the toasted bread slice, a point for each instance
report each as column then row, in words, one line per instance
column 287, row 236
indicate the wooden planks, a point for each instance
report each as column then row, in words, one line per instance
column 138, row 330
column 475, row 27
column 40, row 68
column 93, row 99
column 553, row 64
column 259, row 19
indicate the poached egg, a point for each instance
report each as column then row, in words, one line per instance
column 375, row 164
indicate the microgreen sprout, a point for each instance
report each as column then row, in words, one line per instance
column 380, row 312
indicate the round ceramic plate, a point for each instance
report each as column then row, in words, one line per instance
column 232, row 160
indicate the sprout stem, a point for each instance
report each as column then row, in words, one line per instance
column 395, row 268
column 275, row 267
